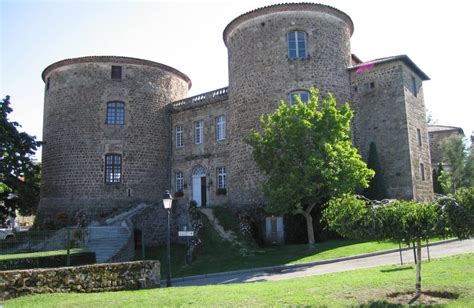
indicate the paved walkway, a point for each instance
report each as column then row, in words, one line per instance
column 328, row 266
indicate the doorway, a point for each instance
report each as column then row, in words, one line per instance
column 199, row 186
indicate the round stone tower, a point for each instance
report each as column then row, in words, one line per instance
column 274, row 51
column 106, row 134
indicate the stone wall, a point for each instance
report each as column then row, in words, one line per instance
column 84, row 279
column 389, row 114
column 77, row 137
column 261, row 75
column 417, row 136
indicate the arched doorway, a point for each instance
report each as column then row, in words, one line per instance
column 199, row 185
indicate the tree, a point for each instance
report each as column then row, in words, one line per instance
column 19, row 174
column 455, row 158
column 306, row 152
column 406, row 221
column 376, row 189
column 437, row 188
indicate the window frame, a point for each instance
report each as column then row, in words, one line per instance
column 220, row 128
column 418, row 137
column 113, row 115
column 110, row 172
column 179, row 181
column 298, row 93
column 221, row 177
column 199, row 127
column 179, row 132
column 293, row 45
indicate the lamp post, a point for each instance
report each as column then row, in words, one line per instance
column 167, row 202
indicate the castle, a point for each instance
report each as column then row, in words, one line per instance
column 120, row 131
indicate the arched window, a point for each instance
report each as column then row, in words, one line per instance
column 113, row 168
column 302, row 94
column 297, row 45
column 116, row 113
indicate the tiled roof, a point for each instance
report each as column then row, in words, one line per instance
column 404, row 58
column 444, row 128
column 114, row 59
column 284, row 7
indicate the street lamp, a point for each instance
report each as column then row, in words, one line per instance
column 167, row 202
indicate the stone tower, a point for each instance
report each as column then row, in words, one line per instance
column 106, row 134
column 266, row 65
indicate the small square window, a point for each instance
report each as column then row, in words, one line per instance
column 116, row 72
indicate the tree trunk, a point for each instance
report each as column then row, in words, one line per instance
column 418, row 268
column 309, row 224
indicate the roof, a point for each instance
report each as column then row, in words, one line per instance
column 114, row 59
column 286, row 7
column 404, row 58
column 444, row 128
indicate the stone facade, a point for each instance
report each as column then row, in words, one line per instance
column 386, row 95
column 83, row 279
column 438, row 133
column 388, row 113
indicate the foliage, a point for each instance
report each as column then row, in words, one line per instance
column 376, row 189
column 437, row 188
column 19, row 175
column 406, row 221
column 459, row 162
column 306, row 152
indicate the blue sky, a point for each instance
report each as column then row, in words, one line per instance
column 187, row 35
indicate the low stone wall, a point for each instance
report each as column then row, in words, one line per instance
column 87, row 278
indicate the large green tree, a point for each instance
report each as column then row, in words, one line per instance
column 306, row 152
column 406, row 221
column 19, row 174
column 459, row 163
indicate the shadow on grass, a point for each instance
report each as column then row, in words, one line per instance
column 217, row 255
column 380, row 304
column 396, row 269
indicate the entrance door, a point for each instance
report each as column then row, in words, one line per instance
column 197, row 190
column 199, row 185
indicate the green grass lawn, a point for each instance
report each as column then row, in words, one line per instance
column 38, row 254
column 361, row 287
column 216, row 255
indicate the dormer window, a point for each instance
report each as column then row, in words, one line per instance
column 297, row 45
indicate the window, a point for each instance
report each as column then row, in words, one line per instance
column 113, row 168
column 179, row 181
column 220, row 128
column 422, row 171
column 418, row 136
column 303, row 95
column 179, row 136
column 116, row 73
column 413, row 86
column 47, row 84
column 115, row 113
column 221, row 177
column 198, row 132
column 296, row 45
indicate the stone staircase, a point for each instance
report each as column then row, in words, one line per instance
column 107, row 241
column 113, row 240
